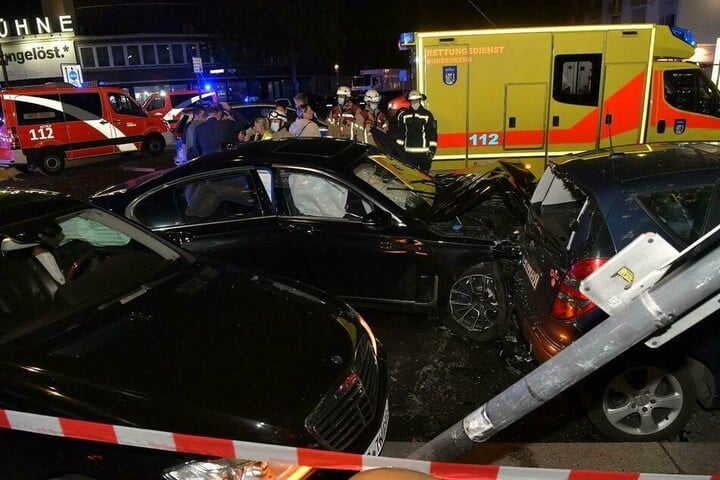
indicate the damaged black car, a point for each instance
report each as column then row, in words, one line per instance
column 344, row 217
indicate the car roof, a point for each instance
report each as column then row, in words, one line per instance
column 19, row 205
column 631, row 166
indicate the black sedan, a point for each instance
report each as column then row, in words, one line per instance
column 106, row 322
column 338, row 215
column 586, row 209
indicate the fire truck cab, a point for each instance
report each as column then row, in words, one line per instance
column 533, row 93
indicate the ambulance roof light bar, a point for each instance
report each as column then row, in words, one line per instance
column 684, row 34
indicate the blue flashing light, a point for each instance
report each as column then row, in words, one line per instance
column 684, row 34
column 208, row 86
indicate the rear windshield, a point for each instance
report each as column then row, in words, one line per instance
column 558, row 206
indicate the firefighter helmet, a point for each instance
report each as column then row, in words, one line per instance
column 343, row 91
column 278, row 115
column 415, row 95
column 372, row 96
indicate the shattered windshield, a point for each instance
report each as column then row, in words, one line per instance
column 409, row 189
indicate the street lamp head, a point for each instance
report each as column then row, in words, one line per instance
column 336, row 67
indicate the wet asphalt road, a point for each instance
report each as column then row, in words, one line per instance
column 436, row 377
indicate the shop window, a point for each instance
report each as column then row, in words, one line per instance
column 118, row 53
column 103, row 56
column 177, row 53
column 148, row 52
column 87, row 57
column 133, row 55
column 163, row 52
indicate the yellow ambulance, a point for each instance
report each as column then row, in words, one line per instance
column 533, row 93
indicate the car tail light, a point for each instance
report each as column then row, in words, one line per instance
column 569, row 302
column 14, row 139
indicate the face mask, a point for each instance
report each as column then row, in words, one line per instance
column 299, row 112
column 415, row 105
column 373, row 106
column 341, row 100
column 275, row 126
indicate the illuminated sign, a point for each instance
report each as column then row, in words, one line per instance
column 19, row 27
column 39, row 59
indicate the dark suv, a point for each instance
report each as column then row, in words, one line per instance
column 582, row 212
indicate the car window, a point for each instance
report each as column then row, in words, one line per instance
column 557, row 205
column 683, row 212
column 314, row 195
column 207, row 200
column 124, row 105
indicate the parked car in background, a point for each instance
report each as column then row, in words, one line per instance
column 116, row 325
column 171, row 105
column 397, row 104
column 584, row 210
column 338, row 215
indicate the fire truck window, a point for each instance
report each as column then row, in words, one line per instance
column 81, row 106
column 691, row 91
column 577, row 79
column 36, row 110
column 123, row 105
column 178, row 99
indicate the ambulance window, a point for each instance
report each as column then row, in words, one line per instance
column 36, row 110
column 691, row 91
column 577, row 79
column 82, row 106
column 181, row 98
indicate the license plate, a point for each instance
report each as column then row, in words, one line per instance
column 532, row 274
column 377, row 444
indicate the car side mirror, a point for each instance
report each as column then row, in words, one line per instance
column 377, row 220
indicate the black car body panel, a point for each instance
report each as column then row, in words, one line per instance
column 408, row 262
column 185, row 345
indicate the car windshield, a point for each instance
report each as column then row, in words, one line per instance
column 407, row 188
column 53, row 264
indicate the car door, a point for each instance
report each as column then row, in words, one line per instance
column 335, row 247
column 224, row 214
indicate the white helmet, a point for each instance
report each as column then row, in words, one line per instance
column 372, row 96
column 415, row 95
column 343, row 91
column 278, row 115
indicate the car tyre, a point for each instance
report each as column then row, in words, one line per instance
column 154, row 145
column 52, row 163
column 477, row 306
column 641, row 402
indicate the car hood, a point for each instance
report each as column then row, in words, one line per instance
column 207, row 352
column 459, row 193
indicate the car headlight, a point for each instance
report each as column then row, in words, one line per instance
column 235, row 469
column 369, row 332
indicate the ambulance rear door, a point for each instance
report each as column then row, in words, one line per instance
column 41, row 126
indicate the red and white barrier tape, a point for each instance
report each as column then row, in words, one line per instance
column 219, row 447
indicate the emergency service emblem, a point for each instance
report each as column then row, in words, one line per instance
column 450, row 75
column 680, row 126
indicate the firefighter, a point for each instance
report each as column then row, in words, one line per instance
column 419, row 132
column 278, row 123
column 342, row 120
column 374, row 117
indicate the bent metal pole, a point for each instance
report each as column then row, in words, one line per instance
column 689, row 285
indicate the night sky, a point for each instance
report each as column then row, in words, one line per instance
column 355, row 33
